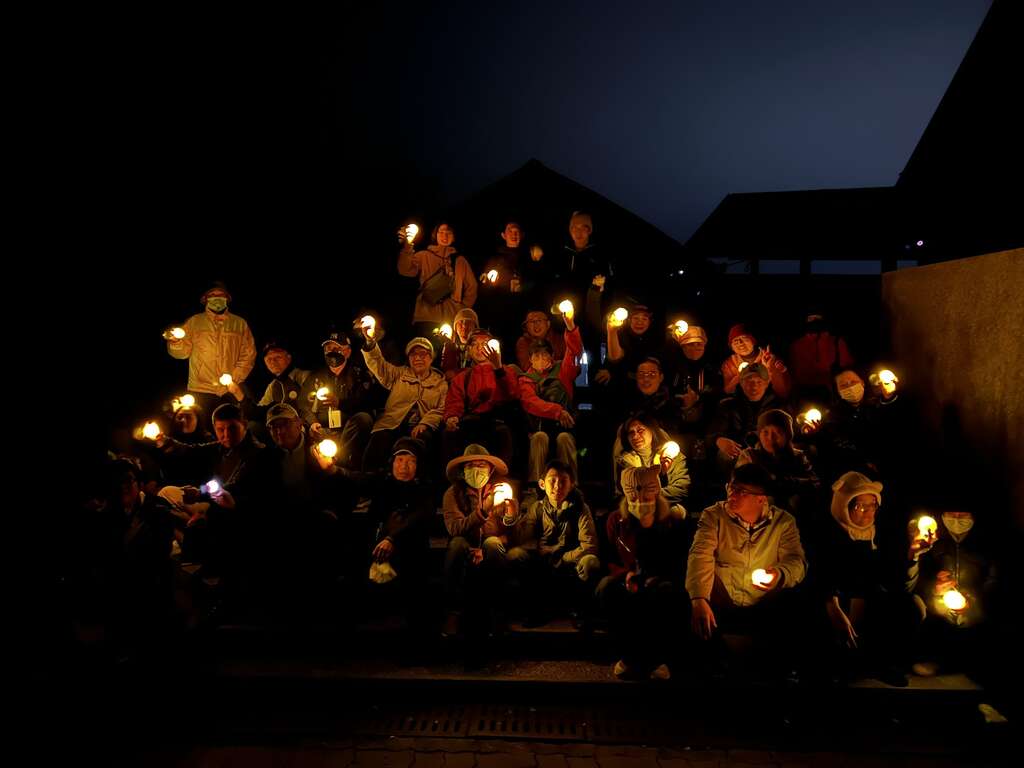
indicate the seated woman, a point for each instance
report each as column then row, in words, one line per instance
column 455, row 352
column 866, row 588
column 642, row 595
column 641, row 440
column 794, row 483
column 745, row 350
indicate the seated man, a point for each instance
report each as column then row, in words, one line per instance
column 642, row 595
column 735, row 425
column 795, row 484
column 335, row 400
column 415, row 401
column 746, row 556
column 482, row 402
column 563, row 527
column 546, row 392
column 537, row 327
column 651, row 395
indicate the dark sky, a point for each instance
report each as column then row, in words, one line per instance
column 664, row 107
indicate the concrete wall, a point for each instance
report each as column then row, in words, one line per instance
column 956, row 331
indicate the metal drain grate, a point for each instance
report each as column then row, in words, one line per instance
column 527, row 723
column 433, row 722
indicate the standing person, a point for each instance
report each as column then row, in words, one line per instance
column 215, row 342
column 447, row 283
column 501, row 286
column 813, row 357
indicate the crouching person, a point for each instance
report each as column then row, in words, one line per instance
column 642, row 595
column 568, row 566
column 745, row 560
column 400, row 513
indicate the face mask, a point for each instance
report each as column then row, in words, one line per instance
column 476, row 477
column 640, row 509
column 958, row 525
column 334, row 359
column 852, row 394
column 217, row 304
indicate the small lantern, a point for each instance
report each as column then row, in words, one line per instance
column 619, row 317
column 954, row 600
column 492, row 276
column 225, row 379
column 178, row 333
column 495, row 345
column 327, row 448
column 322, row 393
column 761, row 578
column 212, row 487
column 679, row 328
column 502, row 493
column 411, row 231
column 369, row 324
column 927, row 527
column 445, row 330
column 670, row 450
column 565, row 307
column 187, row 401
column 743, row 365
column 151, row 430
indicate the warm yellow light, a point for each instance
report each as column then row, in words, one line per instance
column 492, row 276
column 494, row 344
column 954, row 600
column 887, row 377
column 619, row 316
column 368, row 323
column 680, row 327
column 151, row 431
column 213, row 487
column 670, row 450
column 411, row 230
column 812, row 415
column 328, row 448
column 743, row 365
column 225, row 379
column 187, row 401
column 927, row 526
column 446, row 331
column 322, row 393
column 761, row 577
column 178, row 333
column 565, row 307
column 502, row 493
column 536, row 252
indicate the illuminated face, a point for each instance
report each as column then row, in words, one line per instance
column 445, row 235
column 753, row 387
column 478, row 348
column 419, row 360
column 403, row 468
column 743, row 345
column 862, row 510
column 186, row 420
column 848, row 381
column 580, row 233
column 745, row 501
column 464, row 326
column 541, row 361
column 537, row 325
column 229, row 433
column 639, row 436
column 639, row 322
column 557, row 486
column 772, row 439
column 277, row 361
column 286, row 433
column 694, row 350
column 512, row 235
column 648, row 378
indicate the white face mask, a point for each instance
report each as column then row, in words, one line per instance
column 852, row 394
column 958, row 525
column 640, row 509
column 476, row 477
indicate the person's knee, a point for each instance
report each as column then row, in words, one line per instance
column 458, row 547
column 518, row 555
column 494, row 548
column 587, row 567
column 566, row 442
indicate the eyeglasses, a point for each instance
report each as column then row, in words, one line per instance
column 647, row 374
column 739, row 490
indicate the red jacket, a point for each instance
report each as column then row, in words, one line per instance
column 533, row 403
column 481, row 389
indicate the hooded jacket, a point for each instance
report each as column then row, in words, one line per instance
column 214, row 345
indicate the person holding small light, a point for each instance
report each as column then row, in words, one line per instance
column 745, row 350
column 794, row 481
column 214, row 342
column 745, row 562
column 455, row 352
column 643, row 442
column 734, row 426
column 438, row 262
column 537, row 327
column 865, row 582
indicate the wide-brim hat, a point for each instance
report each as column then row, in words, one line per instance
column 474, row 452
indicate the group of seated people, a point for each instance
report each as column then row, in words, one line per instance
column 713, row 520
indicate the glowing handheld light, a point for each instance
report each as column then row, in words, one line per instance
column 225, row 379
column 178, row 333
column 151, row 431
column 565, row 307
column 680, row 327
column 327, row 448
column 322, row 393
column 619, row 317
column 411, row 231
column 212, row 487
column 743, row 365
column 670, row 450
column 492, row 276
column 369, row 324
column 927, row 526
column 761, row 578
column 187, row 401
column 954, row 600
column 502, row 493
column 445, row 330
column 494, row 344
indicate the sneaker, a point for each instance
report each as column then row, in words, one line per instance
column 661, row 672
column 621, row 670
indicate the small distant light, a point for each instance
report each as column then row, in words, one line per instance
column 681, row 272
column 583, row 358
column 698, row 293
column 920, row 243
